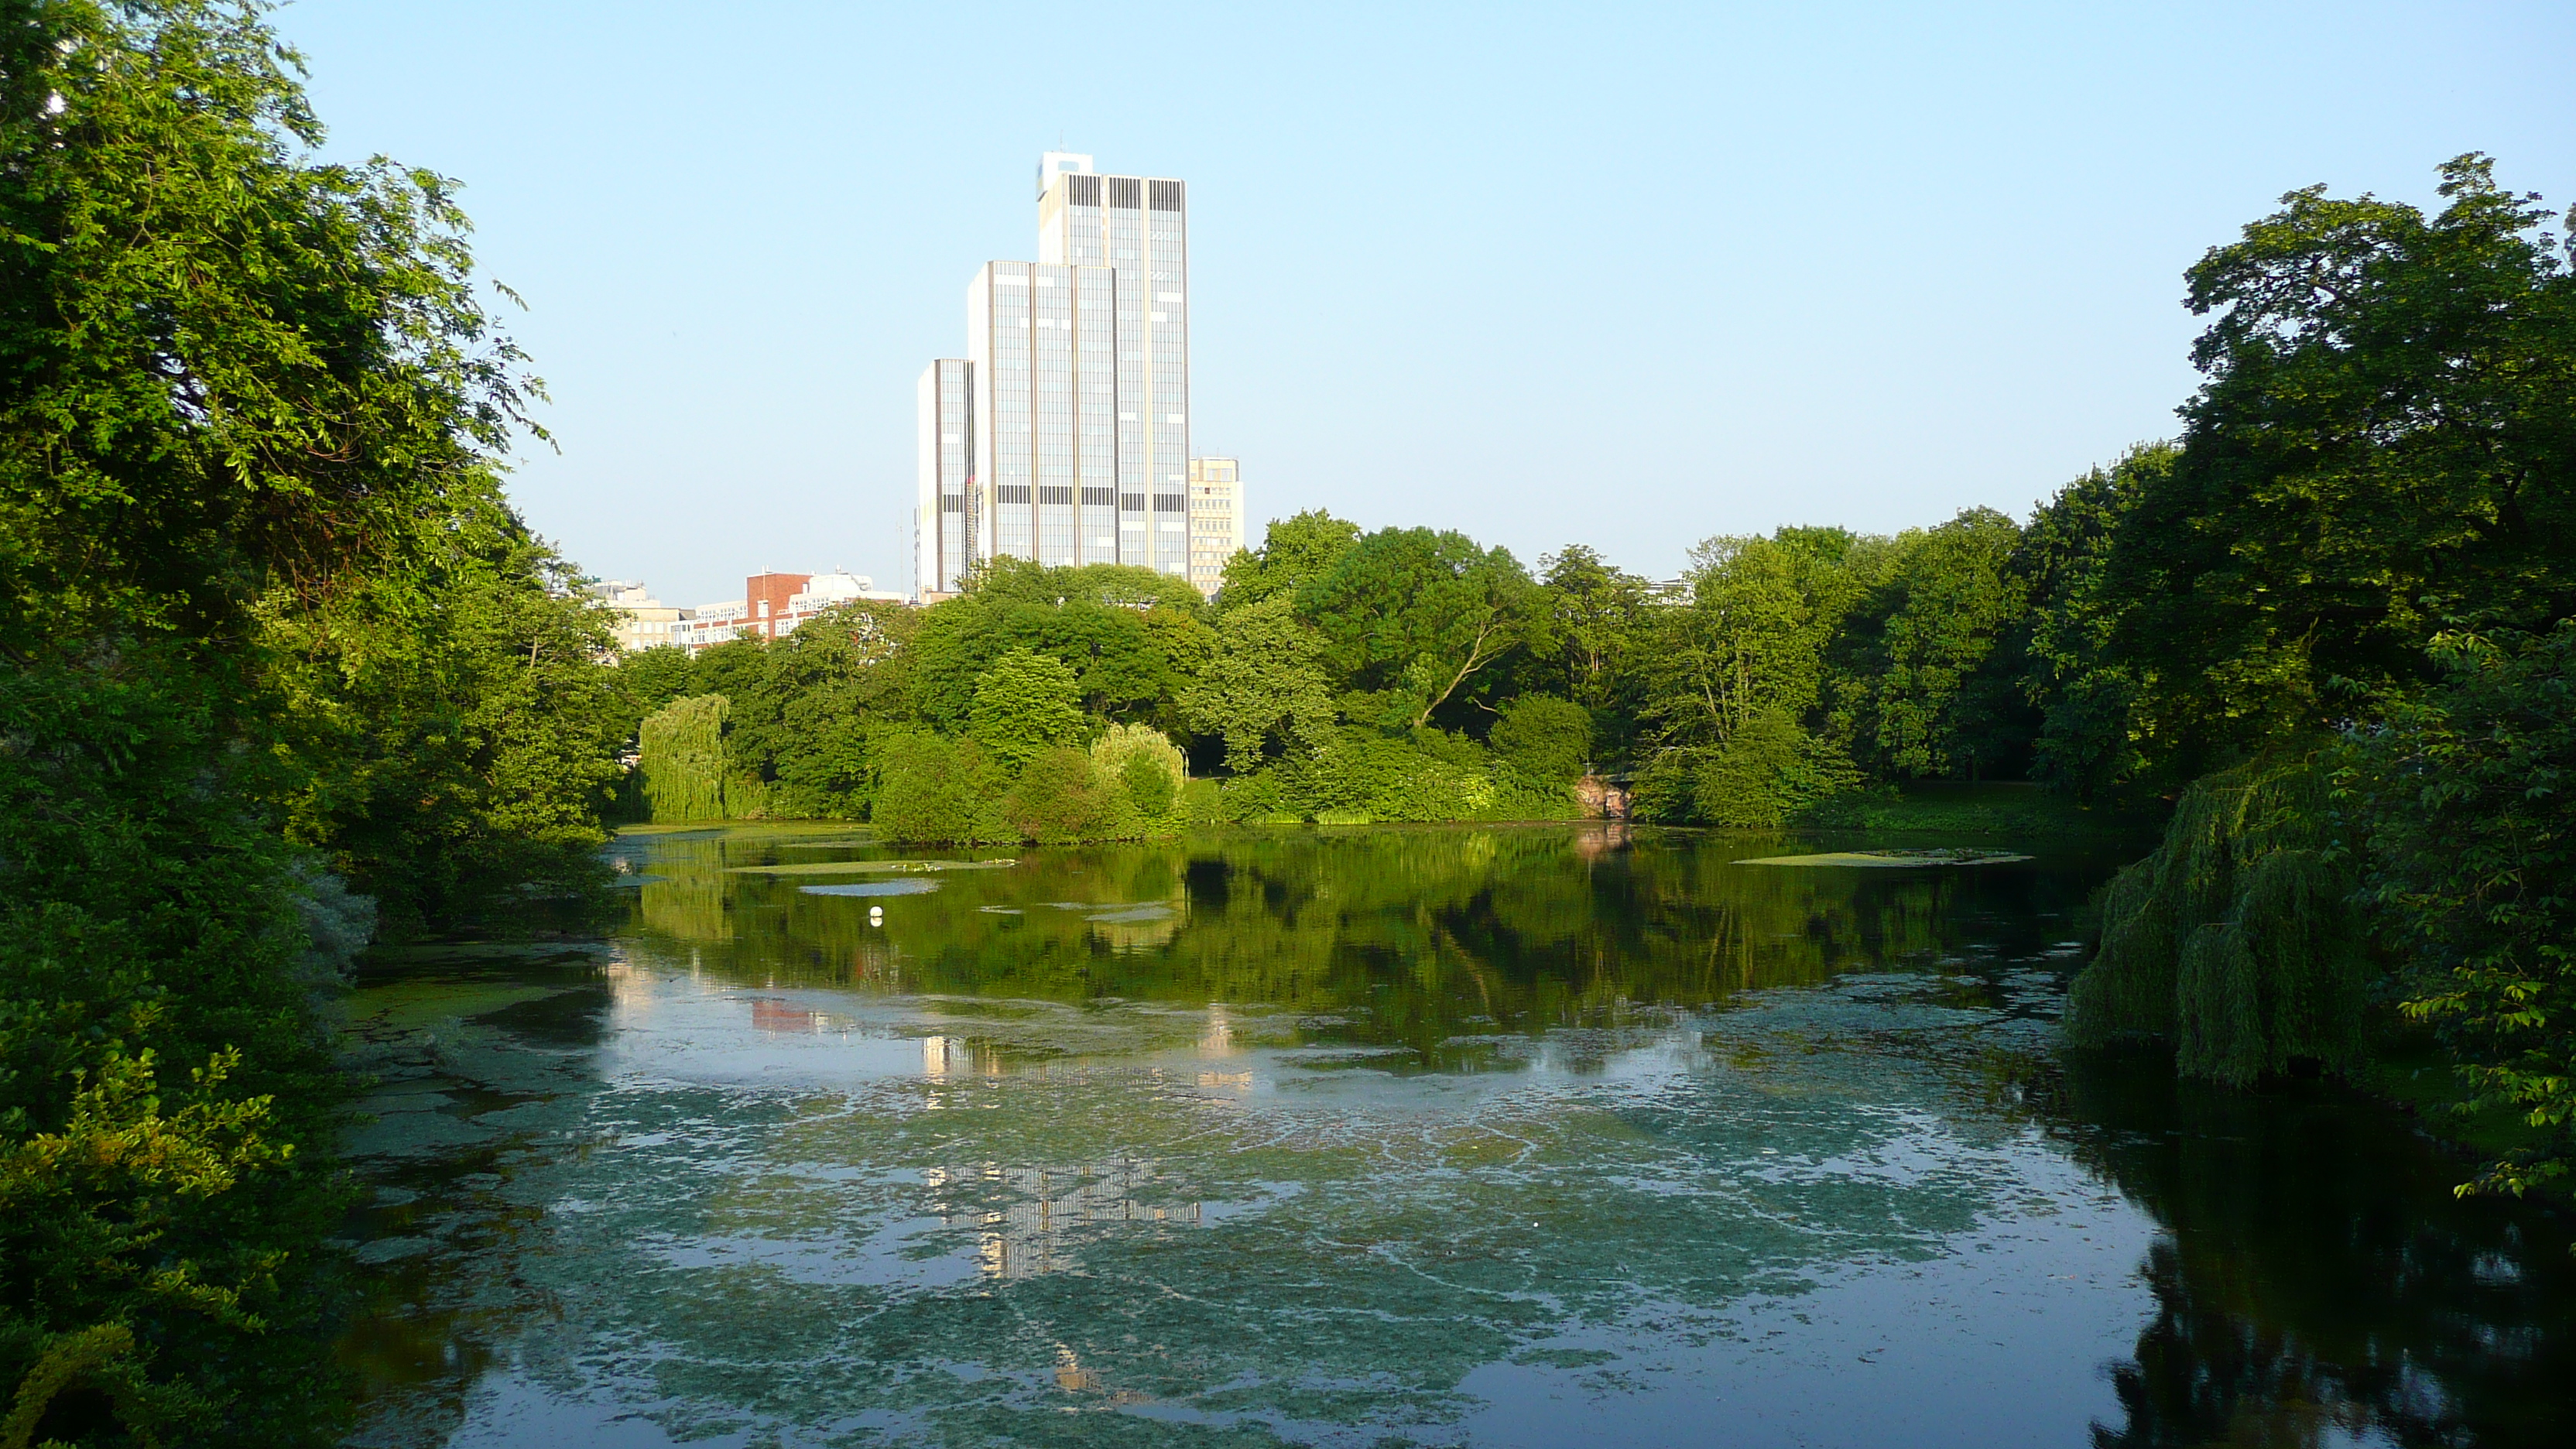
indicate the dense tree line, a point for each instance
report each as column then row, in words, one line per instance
column 276, row 662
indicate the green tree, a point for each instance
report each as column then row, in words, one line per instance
column 681, row 759
column 1596, row 611
column 938, row 791
column 1292, row 551
column 2382, row 444
column 237, row 390
column 1058, row 798
column 454, row 730
column 1264, row 691
column 1923, row 701
column 1143, row 766
column 1412, row 619
column 1025, row 704
column 2069, row 670
column 1133, row 637
column 2467, row 794
column 1544, row 739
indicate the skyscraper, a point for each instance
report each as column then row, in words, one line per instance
column 1063, row 434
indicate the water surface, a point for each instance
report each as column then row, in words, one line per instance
column 1445, row 1136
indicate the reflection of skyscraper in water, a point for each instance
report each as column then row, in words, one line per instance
column 1063, row 435
column 1030, row 1221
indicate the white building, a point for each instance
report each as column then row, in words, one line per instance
column 1063, row 434
column 774, row 605
column 1216, row 519
column 641, row 621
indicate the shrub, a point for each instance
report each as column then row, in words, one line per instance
column 1146, row 768
column 1543, row 739
column 936, row 790
column 1769, row 770
column 1060, row 798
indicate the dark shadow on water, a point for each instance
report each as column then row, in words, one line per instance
column 2316, row 1272
column 569, row 1018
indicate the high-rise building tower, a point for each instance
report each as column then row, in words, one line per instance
column 1073, row 442
column 947, row 529
column 1216, row 519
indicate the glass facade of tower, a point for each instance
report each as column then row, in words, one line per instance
column 1044, row 341
column 1138, row 227
column 947, row 529
column 1078, row 374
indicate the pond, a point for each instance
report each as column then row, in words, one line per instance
column 1444, row 1136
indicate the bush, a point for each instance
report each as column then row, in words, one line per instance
column 1146, row 769
column 1543, row 739
column 1059, row 798
column 938, row 791
column 1768, row 771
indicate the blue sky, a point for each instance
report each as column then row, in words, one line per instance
column 1623, row 275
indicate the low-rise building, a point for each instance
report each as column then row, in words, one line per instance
column 773, row 604
column 641, row 621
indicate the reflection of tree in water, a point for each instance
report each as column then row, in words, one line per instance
column 1420, row 938
column 2318, row 1279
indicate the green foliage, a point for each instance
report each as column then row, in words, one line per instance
column 1292, row 551
column 2069, row 670
column 1543, row 739
column 2383, row 442
column 1767, row 771
column 682, row 759
column 1058, row 797
column 1412, row 620
column 1263, row 692
column 1026, row 704
column 1133, row 638
column 2466, row 795
column 2236, row 939
column 1144, row 768
column 455, row 733
column 256, row 581
column 939, row 791
column 1913, row 686
column 1596, row 614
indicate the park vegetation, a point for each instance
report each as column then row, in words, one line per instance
column 282, row 674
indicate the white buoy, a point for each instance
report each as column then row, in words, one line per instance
column 876, row 915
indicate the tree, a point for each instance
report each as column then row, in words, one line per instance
column 2382, row 444
column 237, row 390
column 2069, row 671
column 1025, row 704
column 680, row 755
column 1133, row 638
column 1923, row 705
column 1264, row 693
column 1292, row 551
column 2467, row 794
column 938, row 791
column 1412, row 617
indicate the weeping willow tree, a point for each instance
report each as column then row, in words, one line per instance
column 682, row 764
column 2236, row 940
